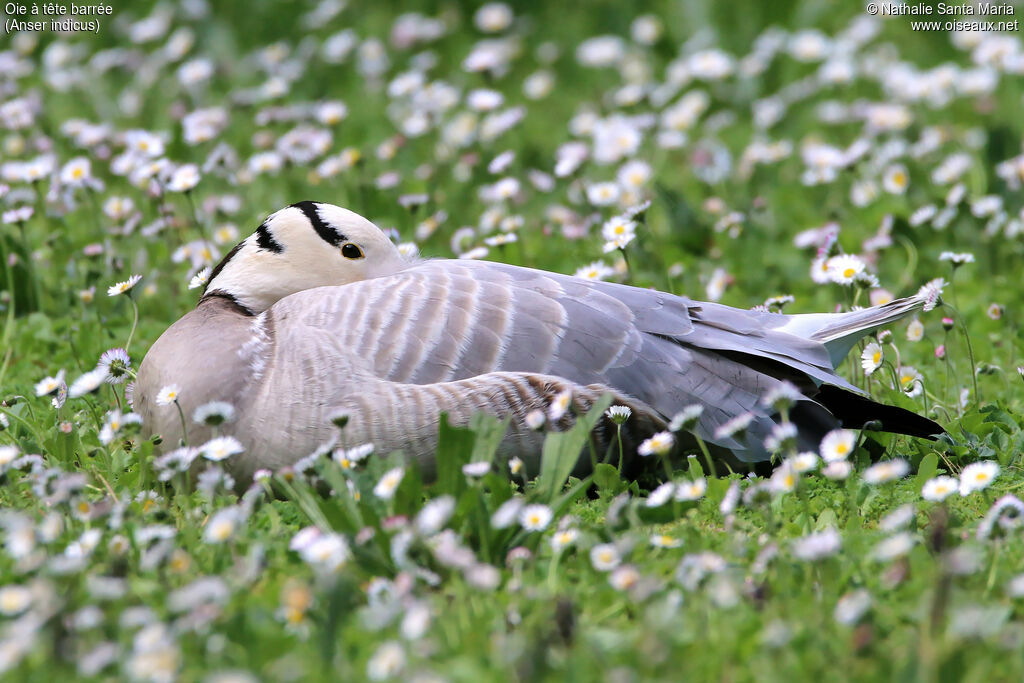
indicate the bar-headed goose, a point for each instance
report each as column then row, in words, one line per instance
column 317, row 313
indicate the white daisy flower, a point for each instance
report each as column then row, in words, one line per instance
column 123, row 287
column 222, row 525
column 977, row 476
column 49, row 385
column 871, row 358
column 535, row 517
column 560, row 405
column 659, row 444
column 605, row 557
column 886, row 471
column 939, row 488
column 843, row 269
column 691, row 490
column 221, row 448
column 388, row 484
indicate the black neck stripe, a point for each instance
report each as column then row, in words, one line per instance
column 220, row 266
column 327, row 234
column 225, row 297
column 266, row 241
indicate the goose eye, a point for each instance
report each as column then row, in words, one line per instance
column 351, row 251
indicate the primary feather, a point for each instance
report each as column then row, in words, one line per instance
column 291, row 332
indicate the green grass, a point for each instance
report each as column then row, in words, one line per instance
column 107, row 572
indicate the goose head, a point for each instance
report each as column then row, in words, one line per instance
column 302, row 246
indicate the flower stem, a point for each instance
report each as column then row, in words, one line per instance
column 135, row 322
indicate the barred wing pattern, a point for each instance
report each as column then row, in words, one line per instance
column 464, row 336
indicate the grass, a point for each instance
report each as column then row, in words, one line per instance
column 115, row 567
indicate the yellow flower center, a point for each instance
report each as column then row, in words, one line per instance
column 877, row 357
column 849, row 272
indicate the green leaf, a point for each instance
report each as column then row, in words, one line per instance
column 826, row 519
column 489, row 432
column 562, row 451
column 455, row 447
column 607, row 478
column 927, row 469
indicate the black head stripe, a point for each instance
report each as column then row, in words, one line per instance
column 266, row 241
column 220, row 266
column 327, row 233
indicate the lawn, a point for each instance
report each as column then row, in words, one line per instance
column 800, row 156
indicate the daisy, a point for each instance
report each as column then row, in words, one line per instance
column 328, row 552
column 784, row 479
column 915, row 330
column 624, row 577
column 76, row 173
column 922, row 215
column 494, row 17
column 349, row 457
column 837, row 470
column 844, row 268
column 388, row 484
column 691, row 490
column 659, row 444
column 782, row 437
column 563, row 539
column 87, row 383
column 665, row 541
column 803, row 462
column 871, row 358
column 476, row 469
column 817, row 546
column 117, row 364
column 507, row 513
column 605, row 557
column 214, row 413
column 895, row 179
column 852, row 607
column 18, row 215
column 894, row 547
column 931, row 292
column 911, row 381
column 49, row 385
column 886, row 471
column 618, row 414
column 660, row 495
column 957, row 258
column 184, row 178
column 735, row 426
column 222, row 525
column 634, row 174
column 434, row 514
column 977, row 476
column 221, row 448
column 199, row 279
column 618, row 230
column 560, row 405
column 535, row 517
column 535, row 419
column 14, row 599
column 939, row 488
column 687, row 418
column 123, row 287
column 598, row 270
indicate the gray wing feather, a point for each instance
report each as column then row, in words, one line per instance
column 445, row 321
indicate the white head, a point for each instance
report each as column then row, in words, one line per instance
column 305, row 245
